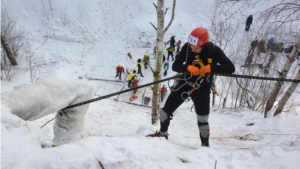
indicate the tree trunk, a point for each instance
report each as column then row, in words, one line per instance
column 159, row 56
column 160, row 32
column 287, row 95
column 8, row 52
column 282, row 74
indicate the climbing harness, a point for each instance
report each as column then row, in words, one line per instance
column 195, row 86
column 187, row 94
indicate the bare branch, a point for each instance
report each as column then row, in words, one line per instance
column 283, row 13
column 166, row 10
column 153, row 26
column 172, row 18
column 154, row 5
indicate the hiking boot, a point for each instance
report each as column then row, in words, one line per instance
column 204, row 141
column 157, row 134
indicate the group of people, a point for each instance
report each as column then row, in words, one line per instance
column 260, row 45
column 133, row 80
column 131, row 77
column 272, row 46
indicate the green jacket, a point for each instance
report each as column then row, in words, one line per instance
column 146, row 57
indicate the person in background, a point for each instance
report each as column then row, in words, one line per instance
column 170, row 53
column 135, row 83
column 146, row 60
column 166, row 67
column 119, row 70
column 130, row 76
column 271, row 43
column 249, row 60
column 248, row 22
column 139, row 64
column 145, row 100
column 148, row 100
column 163, row 92
column 289, row 49
column 298, row 58
column 271, row 40
column 178, row 46
column 197, row 59
column 271, row 59
column 172, row 42
column 261, row 47
column 253, row 46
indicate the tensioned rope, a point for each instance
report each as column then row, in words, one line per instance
column 170, row 78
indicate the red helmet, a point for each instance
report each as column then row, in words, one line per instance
column 198, row 37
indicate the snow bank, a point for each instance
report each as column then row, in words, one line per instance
column 46, row 96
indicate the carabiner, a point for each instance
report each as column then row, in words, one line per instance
column 187, row 98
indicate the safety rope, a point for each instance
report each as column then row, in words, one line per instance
column 60, row 113
column 257, row 77
column 176, row 76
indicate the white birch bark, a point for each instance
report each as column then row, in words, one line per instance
column 287, row 95
column 159, row 55
column 282, row 74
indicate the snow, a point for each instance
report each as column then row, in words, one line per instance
column 89, row 39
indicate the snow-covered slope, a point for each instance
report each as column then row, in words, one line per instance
column 89, row 39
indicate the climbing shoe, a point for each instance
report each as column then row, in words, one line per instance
column 204, row 141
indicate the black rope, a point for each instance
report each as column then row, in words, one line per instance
column 258, row 77
column 170, row 78
column 117, row 93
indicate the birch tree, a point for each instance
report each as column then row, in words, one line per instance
column 160, row 32
column 287, row 95
column 282, row 74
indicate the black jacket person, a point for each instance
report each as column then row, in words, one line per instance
column 139, row 65
column 197, row 58
column 248, row 22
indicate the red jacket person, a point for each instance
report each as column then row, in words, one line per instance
column 119, row 70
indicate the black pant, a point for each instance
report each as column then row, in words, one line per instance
column 201, row 102
column 251, row 51
column 146, row 64
column 140, row 72
column 170, row 54
column 119, row 74
column 247, row 27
